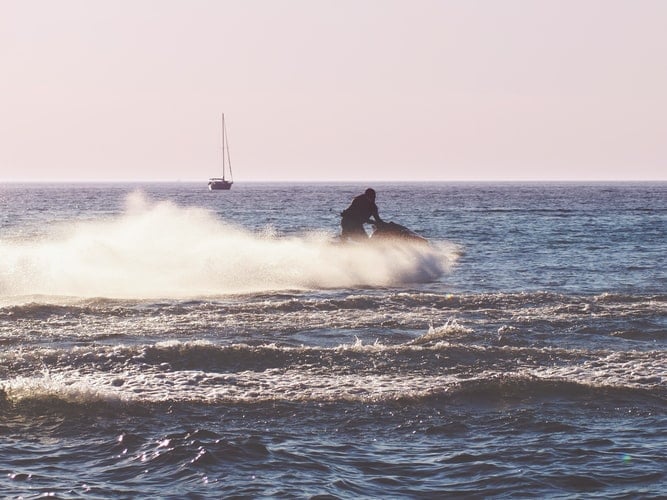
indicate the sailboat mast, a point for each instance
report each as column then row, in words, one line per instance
column 223, row 146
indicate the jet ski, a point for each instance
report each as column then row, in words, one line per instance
column 392, row 232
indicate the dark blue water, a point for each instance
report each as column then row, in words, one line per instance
column 161, row 340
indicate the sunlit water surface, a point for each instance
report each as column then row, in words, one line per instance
column 161, row 340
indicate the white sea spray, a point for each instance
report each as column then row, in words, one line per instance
column 164, row 250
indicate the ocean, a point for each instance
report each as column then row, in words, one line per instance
column 164, row 341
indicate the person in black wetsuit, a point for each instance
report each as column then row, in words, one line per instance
column 359, row 212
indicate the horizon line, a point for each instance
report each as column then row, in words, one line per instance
column 321, row 181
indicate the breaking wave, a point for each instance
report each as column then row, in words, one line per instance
column 203, row 373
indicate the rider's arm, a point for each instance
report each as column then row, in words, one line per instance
column 375, row 213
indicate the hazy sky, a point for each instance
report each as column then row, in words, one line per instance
column 334, row 90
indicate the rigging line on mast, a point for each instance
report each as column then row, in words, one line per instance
column 226, row 145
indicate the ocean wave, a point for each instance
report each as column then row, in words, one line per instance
column 44, row 307
column 446, row 332
column 439, row 349
column 395, row 316
column 60, row 394
column 203, row 373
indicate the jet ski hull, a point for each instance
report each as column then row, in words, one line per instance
column 392, row 232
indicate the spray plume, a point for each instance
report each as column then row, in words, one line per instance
column 163, row 250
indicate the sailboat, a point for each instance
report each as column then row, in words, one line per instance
column 215, row 183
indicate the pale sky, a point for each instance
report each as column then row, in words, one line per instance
column 335, row 90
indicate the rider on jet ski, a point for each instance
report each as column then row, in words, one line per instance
column 359, row 212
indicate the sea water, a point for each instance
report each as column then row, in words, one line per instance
column 160, row 340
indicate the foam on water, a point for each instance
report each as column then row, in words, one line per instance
column 164, row 250
column 202, row 372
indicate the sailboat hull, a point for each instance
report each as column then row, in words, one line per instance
column 217, row 184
